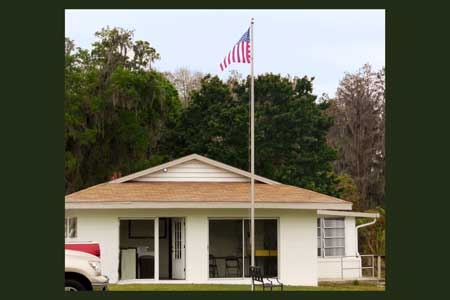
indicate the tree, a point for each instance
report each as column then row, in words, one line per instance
column 290, row 129
column 112, row 48
column 144, row 55
column 186, row 82
column 373, row 238
column 291, row 134
column 116, row 109
column 69, row 46
column 213, row 125
column 349, row 191
column 358, row 132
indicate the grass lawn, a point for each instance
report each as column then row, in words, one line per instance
column 228, row 287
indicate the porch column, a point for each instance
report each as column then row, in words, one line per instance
column 156, row 248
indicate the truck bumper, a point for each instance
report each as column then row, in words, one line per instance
column 101, row 283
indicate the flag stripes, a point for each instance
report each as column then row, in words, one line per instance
column 240, row 53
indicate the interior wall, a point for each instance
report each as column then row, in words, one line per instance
column 128, row 242
column 164, row 253
column 225, row 239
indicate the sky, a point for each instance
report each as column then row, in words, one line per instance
column 324, row 44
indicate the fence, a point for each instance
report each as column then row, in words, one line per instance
column 369, row 265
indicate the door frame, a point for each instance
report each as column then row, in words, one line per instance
column 155, row 244
column 172, row 247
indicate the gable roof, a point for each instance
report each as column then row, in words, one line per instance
column 198, row 192
column 140, row 190
column 192, row 157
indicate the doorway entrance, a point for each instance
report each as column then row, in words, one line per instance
column 138, row 259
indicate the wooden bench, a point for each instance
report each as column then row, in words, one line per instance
column 265, row 282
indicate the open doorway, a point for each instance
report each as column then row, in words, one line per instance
column 138, row 247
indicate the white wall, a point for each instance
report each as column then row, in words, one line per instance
column 297, row 240
column 298, row 248
column 197, row 248
column 350, row 236
column 102, row 227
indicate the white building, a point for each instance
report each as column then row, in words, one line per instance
column 199, row 209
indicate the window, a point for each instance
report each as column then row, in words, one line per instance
column 230, row 247
column 330, row 237
column 70, row 227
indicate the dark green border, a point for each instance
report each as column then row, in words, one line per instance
column 31, row 129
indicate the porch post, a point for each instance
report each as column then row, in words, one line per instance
column 156, row 248
column 379, row 267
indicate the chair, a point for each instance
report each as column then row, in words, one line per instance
column 232, row 267
column 146, row 266
column 258, row 279
column 213, row 271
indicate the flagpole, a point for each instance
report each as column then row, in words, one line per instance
column 252, row 151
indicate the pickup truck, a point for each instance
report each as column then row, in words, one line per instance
column 83, row 272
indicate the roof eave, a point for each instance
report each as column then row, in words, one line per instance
column 203, row 205
column 348, row 214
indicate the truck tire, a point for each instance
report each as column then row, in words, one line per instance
column 73, row 285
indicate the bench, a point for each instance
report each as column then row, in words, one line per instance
column 265, row 282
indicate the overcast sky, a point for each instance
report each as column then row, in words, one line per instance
column 324, row 44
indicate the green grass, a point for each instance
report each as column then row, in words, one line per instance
column 229, row 287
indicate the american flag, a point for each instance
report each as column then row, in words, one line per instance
column 240, row 53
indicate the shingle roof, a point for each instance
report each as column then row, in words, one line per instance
column 198, row 192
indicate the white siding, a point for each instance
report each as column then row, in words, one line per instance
column 298, row 248
column 193, row 170
column 196, row 249
column 350, row 236
column 102, row 227
column 297, row 260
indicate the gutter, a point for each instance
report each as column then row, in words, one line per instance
column 361, row 226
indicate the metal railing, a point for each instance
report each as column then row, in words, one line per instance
column 361, row 267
